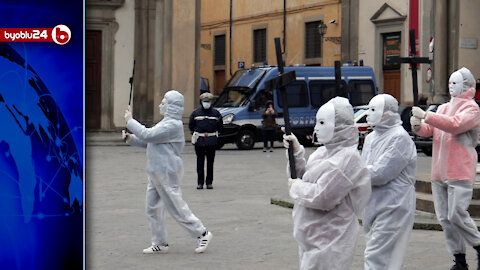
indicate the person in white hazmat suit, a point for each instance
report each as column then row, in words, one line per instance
column 391, row 158
column 331, row 190
column 164, row 143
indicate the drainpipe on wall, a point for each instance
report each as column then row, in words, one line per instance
column 284, row 25
column 230, row 41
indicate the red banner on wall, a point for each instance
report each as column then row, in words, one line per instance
column 413, row 23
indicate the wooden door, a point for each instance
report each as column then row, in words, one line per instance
column 391, row 83
column 219, row 81
column 93, row 75
column 391, row 64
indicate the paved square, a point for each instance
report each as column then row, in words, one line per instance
column 249, row 232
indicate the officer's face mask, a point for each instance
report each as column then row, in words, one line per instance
column 325, row 126
column 375, row 110
column 206, row 105
column 455, row 84
column 163, row 107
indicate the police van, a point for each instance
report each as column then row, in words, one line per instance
column 244, row 97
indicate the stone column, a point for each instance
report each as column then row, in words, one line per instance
column 453, row 35
column 145, row 60
column 166, row 26
column 185, row 51
column 350, row 17
column 177, row 60
column 440, row 70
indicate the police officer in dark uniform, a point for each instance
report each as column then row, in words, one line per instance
column 205, row 124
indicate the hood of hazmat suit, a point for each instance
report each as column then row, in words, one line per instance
column 334, row 189
column 455, row 129
column 391, row 156
column 164, row 142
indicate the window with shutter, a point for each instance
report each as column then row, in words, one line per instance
column 219, row 50
column 259, row 45
column 313, row 40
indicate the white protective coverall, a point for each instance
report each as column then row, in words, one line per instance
column 455, row 129
column 333, row 189
column 391, row 158
column 164, row 143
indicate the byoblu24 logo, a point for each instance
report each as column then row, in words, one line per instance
column 61, row 34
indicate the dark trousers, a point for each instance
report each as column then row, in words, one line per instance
column 268, row 135
column 202, row 152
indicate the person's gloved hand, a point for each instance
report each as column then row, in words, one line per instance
column 126, row 136
column 128, row 114
column 419, row 113
column 414, row 121
column 293, row 139
column 291, row 181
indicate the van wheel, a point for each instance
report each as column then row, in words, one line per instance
column 245, row 139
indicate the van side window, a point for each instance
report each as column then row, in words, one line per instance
column 322, row 91
column 297, row 95
column 261, row 99
column 361, row 92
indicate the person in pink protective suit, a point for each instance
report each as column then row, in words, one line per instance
column 455, row 133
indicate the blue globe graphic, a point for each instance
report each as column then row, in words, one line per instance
column 41, row 187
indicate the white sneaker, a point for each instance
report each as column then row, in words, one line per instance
column 156, row 249
column 203, row 242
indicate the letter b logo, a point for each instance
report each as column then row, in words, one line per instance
column 61, row 34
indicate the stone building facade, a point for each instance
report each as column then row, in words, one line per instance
column 161, row 36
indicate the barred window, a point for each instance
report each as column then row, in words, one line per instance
column 259, row 45
column 313, row 40
column 219, row 50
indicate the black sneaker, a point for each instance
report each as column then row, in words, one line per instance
column 200, row 187
column 458, row 266
column 209, row 187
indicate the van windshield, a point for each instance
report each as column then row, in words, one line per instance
column 246, row 78
column 233, row 97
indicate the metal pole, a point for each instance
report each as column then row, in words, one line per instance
column 286, row 114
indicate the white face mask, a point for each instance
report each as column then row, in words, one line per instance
column 455, row 84
column 325, row 126
column 375, row 110
column 163, row 107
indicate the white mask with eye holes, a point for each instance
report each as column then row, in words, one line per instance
column 163, row 107
column 455, row 84
column 325, row 126
column 375, row 110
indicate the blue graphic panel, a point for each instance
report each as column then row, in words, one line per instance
column 41, row 140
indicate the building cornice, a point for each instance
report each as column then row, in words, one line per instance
column 263, row 16
column 112, row 4
column 377, row 20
